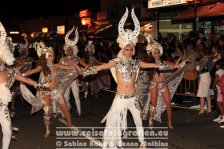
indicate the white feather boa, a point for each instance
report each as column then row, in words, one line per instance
column 5, row 96
column 6, row 55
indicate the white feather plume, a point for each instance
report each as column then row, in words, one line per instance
column 6, row 55
column 128, row 37
column 90, row 47
column 153, row 45
column 72, row 43
column 41, row 48
column 6, row 95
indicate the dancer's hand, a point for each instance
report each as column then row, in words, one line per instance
column 90, row 71
column 87, row 67
column 37, row 86
column 187, row 60
column 177, row 64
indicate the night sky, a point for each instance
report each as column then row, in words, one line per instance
column 45, row 8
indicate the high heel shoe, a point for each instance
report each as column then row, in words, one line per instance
column 47, row 133
column 151, row 115
column 142, row 145
column 201, row 113
column 170, row 126
column 208, row 113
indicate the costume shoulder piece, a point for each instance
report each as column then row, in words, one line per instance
column 113, row 70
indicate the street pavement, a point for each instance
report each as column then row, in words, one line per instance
column 191, row 131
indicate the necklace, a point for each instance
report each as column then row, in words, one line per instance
column 2, row 67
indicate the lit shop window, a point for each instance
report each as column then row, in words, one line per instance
column 45, row 30
column 61, row 30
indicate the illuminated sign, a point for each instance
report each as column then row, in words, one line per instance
column 164, row 3
column 61, row 30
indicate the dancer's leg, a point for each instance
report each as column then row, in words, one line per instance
column 75, row 91
column 6, row 127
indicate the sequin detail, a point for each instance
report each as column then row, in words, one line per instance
column 127, row 68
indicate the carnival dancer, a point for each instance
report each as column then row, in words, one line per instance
column 51, row 88
column 71, row 51
column 15, row 90
column 162, row 86
column 92, row 60
column 125, row 71
column 7, row 78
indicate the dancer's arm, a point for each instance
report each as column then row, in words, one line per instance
column 59, row 66
column 32, row 71
column 29, row 81
column 148, row 65
column 95, row 69
column 177, row 64
column 75, row 67
column 108, row 65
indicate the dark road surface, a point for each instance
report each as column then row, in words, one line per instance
column 191, row 131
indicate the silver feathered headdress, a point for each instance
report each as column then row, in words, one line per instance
column 153, row 45
column 5, row 54
column 10, row 44
column 43, row 49
column 72, row 43
column 128, row 37
column 23, row 47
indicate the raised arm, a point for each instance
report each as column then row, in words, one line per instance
column 25, row 80
column 75, row 67
column 59, row 66
column 32, row 71
column 95, row 69
column 108, row 65
column 148, row 65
